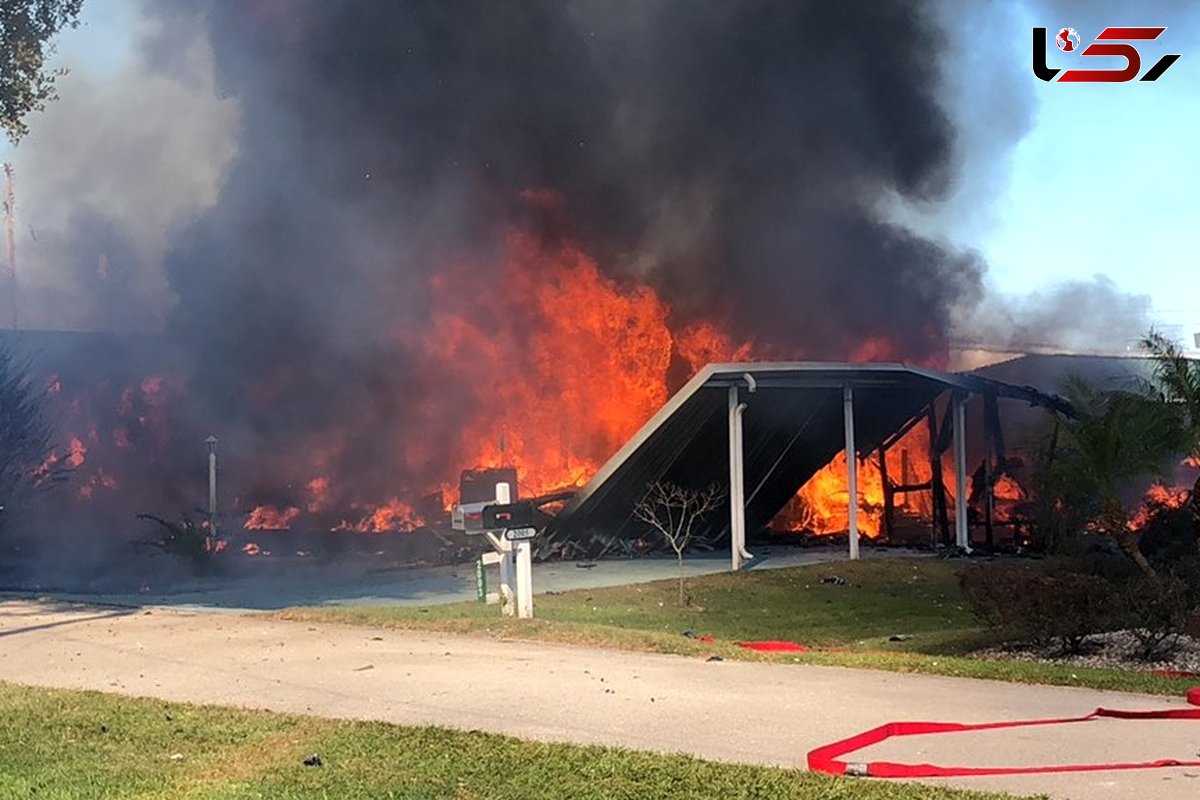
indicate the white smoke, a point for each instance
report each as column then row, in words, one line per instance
column 111, row 171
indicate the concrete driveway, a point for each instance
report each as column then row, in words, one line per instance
column 280, row 581
column 729, row 711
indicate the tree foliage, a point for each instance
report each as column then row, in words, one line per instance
column 1115, row 441
column 28, row 463
column 27, row 30
column 1177, row 380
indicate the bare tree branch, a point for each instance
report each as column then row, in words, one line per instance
column 673, row 511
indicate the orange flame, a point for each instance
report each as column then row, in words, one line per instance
column 271, row 518
column 1156, row 497
column 76, row 452
column 558, row 328
column 318, row 494
column 704, row 343
column 394, row 515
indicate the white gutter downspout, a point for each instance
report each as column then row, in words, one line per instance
column 737, row 488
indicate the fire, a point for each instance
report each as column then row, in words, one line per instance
column 76, row 453
column 1157, row 496
column 271, row 518
column 318, row 494
column 563, row 363
column 98, row 480
column 552, row 363
column 875, row 348
column 821, row 505
column 827, row 495
column 1008, row 490
column 394, row 515
column 704, row 343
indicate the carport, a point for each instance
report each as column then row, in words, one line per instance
column 764, row 429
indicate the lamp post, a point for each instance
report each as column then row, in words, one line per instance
column 211, row 441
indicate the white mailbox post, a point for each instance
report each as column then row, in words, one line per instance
column 513, row 555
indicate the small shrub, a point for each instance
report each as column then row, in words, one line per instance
column 1067, row 607
column 993, row 591
column 1070, row 607
column 1158, row 612
column 1168, row 536
column 1103, row 560
column 186, row 539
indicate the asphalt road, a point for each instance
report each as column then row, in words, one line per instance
column 729, row 711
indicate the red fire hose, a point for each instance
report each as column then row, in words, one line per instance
column 827, row 758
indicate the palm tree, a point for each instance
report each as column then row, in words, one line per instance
column 1177, row 380
column 1115, row 441
column 28, row 462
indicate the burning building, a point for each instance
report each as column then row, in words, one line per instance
column 456, row 235
column 767, row 430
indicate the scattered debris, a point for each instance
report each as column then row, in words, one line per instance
column 313, row 761
column 835, row 580
column 899, row 637
column 177, row 756
column 707, row 638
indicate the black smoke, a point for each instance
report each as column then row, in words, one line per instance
column 731, row 155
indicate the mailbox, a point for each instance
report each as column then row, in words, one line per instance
column 509, row 516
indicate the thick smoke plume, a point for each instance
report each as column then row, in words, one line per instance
column 389, row 241
column 728, row 155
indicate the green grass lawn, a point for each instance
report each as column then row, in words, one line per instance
column 65, row 745
column 917, row 600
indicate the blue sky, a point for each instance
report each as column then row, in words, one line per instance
column 1106, row 180
column 1101, row 179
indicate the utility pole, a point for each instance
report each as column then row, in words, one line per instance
column 10, row 212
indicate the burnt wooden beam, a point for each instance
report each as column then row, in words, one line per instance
column 993, row 441
column 942, row 440
column 889, row 498
column 941, row 517
column 993, row 428
column 905, row 488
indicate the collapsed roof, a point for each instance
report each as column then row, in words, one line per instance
column 793, row 425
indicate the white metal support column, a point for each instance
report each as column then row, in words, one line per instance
column 961, row 531
column 737, row 496
column 851, row 470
